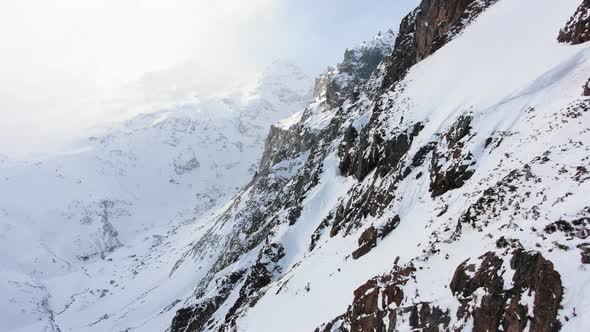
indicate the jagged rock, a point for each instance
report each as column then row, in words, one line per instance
column 358, row 64
column 480, row 289
column 579, row 228
column 349, row 140
column 452, row 178
column 425, row 30
column 371, row 150
column 460, row 129
column 376, row 152
column 420, row 156
column 260, row 275
column 577, row 29
column 428, row 318
column 195, row 318
column 586, row 91
column 584, row 252
column 536, row 274
column 508, row 243
column 366, row 314
column 450, row 164
column 501, row 307
column 282, row 144
column 487, row 316
column 369, row 237
column 367, row 241
column 501, row 194
column 389, row 226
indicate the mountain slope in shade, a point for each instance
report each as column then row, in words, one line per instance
column 126, row 190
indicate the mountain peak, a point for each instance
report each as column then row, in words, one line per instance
column 382, row 40
column 284, row 78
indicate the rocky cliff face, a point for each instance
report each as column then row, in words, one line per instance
column 348, row 77
column 451, row 174
column 425, row 30
column 531, row 298
column 79, row 229
column 290, row 167
column 577, row 28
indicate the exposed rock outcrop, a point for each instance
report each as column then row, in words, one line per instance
column 500, row 195
column 506, row 307
column 381, row 149
column 290, row 167
column 370, row 309
column 577, row 28
column 370, row 236
column 196, row 317
column 383, row 303
column 283, row 144
column 361, row 122
column 358, row 64
column 428, row 28
column 451, row 164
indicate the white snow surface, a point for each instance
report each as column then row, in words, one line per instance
column 506, row 68
column 505, row 63
column 91, row 235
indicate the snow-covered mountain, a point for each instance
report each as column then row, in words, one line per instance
column 445, row 191
column 136, row 182
column 437, row 181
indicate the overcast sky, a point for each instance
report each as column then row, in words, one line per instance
column 59, row 59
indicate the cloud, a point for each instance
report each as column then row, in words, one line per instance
column 62, row 59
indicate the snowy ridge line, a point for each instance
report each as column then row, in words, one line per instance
column 446, row 167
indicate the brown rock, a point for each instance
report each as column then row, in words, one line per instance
column 515, row 316
column 367, row 241
column 499, row 307
column 535, row 273
column 460, row 278
column 366, row 314
column 479, row 288
column 389, row 226
column 392, row 294
column 427, row 318
column 195, row 318
column 577, row 29
column 585, row 252
column 455, row 176
column 369, row 237
column 425, row 30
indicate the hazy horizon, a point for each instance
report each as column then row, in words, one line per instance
column 65, row 59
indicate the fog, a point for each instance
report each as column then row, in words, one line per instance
column 70, row 65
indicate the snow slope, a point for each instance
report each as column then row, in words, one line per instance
column 500, row 68
column 479, row 148
column 105, row 210
column 440, row 184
